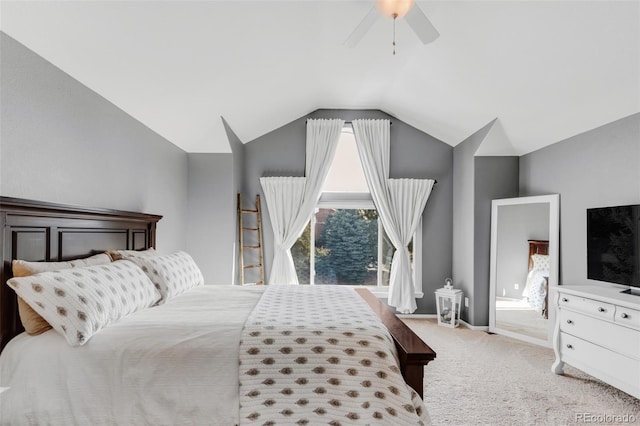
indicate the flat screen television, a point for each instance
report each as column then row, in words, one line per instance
column 613, row 245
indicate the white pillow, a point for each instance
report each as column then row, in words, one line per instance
column 172, row 274
column 79, row 302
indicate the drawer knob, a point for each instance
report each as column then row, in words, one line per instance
column 624, row 315
column 601, row 309
column 569, row 322
column 569, row 346
column 564, row 299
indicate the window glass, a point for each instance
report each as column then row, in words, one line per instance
column 345, row 173
column 346, row 246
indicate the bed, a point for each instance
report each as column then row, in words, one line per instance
column 211, row 366
column 536, row 289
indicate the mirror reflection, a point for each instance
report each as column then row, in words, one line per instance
column 524, row 260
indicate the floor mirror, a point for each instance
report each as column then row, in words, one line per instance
column 524, row 265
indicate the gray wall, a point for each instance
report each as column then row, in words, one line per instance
column 516, row 225
column 464, row 215
column 62, row 142
column 495, row 178
column 597, row 168
column 237, row 150
column 594, row 169
column 211, row 216
column 414, row 154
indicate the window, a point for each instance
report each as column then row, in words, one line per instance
column 344, row 242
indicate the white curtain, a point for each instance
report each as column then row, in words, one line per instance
column 291, row 200
column 399, row 202
column 408, row 199
column 284, row 196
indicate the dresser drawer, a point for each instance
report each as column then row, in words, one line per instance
column 627, row 316
column 616, row 369
column 588, row 306
column 609, row 335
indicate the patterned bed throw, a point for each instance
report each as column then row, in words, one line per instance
column 314, row 355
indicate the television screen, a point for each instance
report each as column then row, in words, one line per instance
column 613, row 244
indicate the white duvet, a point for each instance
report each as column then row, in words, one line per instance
column 193, row 379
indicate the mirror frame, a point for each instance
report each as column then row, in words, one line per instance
column 554, row 256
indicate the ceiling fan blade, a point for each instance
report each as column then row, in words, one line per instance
column 362, row 28
column 421, row 25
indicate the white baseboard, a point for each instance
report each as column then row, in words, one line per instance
column 475, row 327
column 417, row 316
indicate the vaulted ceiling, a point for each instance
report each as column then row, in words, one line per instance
column 547, row 70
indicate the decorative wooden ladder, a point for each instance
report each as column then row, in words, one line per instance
column 257, row 247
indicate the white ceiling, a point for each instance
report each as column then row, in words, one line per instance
column 546, row 69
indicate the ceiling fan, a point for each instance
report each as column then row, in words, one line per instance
column 395, row 9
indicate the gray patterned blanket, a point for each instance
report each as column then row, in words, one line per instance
column 319, row 355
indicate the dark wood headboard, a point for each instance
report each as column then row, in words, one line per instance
column 41, row 231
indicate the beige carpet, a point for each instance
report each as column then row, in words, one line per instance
column 483, row 379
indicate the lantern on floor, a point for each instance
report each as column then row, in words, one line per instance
column 448, row 304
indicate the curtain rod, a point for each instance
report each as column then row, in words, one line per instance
column 346, row 122
column 351, row 122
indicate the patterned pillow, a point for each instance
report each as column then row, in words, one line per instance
column 130, row 254
column 33, row 323
column 78, row 302
column 541, row 264
column 172, row 274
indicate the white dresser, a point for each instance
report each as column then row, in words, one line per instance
column 598, row 331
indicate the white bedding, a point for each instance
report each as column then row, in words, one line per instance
column 53, row 383
column 177, row 364
column 536, row 291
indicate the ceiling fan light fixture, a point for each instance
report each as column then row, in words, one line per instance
column 394, row 8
